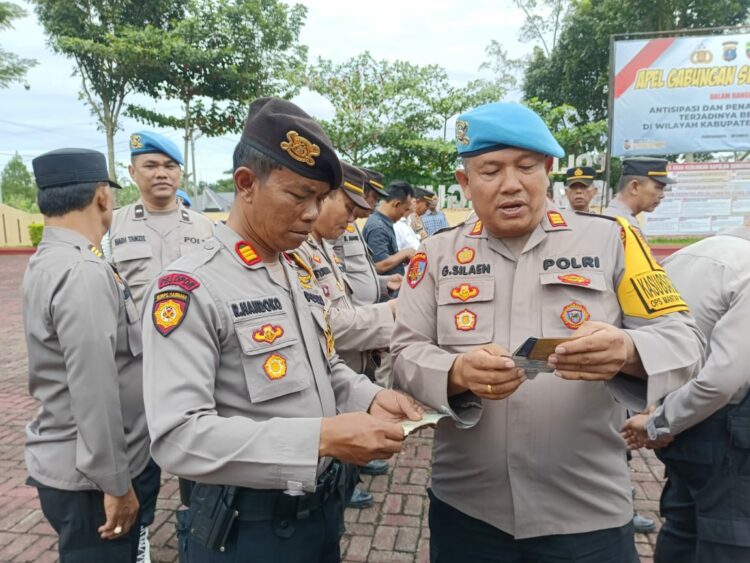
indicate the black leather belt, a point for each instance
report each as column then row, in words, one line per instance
column 257, row 505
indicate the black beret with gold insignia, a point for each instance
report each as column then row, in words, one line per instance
column 580, row 175
column 286, row 134
column 354, row 184
column 375, row 182
column 654, row 168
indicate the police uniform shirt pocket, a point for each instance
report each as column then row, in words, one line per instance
column 356, row 260
column 465, row 312
column 271, row 357
column 125, row 253
column 569, row 299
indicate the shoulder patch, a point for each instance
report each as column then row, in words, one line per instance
column 417, row 269
column 169, row 310
column 180, row 280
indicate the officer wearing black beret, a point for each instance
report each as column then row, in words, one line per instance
column 579, row 188
column 87, row 449
column 242, row 384
column 640, row 189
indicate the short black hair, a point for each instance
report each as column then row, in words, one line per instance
column 399, row 190
column 259, row 163
column 55, row 202
column 625, row 180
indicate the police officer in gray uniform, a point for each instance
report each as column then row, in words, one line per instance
column 705, row 500
column 88, row 446
column 368, row 287
column 149, row 234
column 533, row 469
column 359, row 330
column 640, row 189
column 242, row 382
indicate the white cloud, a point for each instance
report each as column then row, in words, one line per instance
column 451, row 33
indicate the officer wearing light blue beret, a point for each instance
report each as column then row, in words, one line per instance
column 148, row 235
column 529, row 466
column 148, row 142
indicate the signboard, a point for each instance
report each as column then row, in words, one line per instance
column 681, row 94
column 707, row 198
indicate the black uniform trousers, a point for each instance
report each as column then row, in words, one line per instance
column 77, row 515
column 706, row 499
column 456, row 537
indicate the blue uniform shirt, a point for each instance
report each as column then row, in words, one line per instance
column 381, row 240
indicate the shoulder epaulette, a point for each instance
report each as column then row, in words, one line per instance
column 448, row 228
column 599, row 215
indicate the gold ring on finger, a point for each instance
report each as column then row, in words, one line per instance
column 489, row 389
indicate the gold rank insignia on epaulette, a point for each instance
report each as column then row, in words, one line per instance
column 477, row 229
column 95, row 251
column 556, row 219
column 645, row 290
column 246, row 253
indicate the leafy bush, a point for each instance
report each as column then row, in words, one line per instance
column 35, row 232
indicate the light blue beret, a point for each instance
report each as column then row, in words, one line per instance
column 503, row 125
column 144, row 142
column 185, row 198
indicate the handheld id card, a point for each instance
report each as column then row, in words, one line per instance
column 532, row 355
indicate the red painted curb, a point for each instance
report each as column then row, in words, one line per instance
column 18, row 250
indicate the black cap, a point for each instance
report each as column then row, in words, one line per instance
column 580, row 175
column 422, row 193
column 654, row 168
column 289, row 136
column 354, row 184
column 375, row 180
column 69, row 167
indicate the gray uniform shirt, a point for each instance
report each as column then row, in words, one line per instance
column 617, row 208
column 548, row 459
column 239, row 370
column 356, row 329
column 142, row 244
column 83, row 334
column 713, row 276
column 368, row 286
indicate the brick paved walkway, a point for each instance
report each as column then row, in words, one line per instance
column 394, row 529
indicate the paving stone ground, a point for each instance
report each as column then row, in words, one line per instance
column 394, row 529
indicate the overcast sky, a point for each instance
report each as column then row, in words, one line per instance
column 451, row 33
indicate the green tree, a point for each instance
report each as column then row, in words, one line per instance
column 222, row 55
column 394, row 115
column 95, row 34
column 17, row 185
column 576, row 71
column 375, row 103
column 575, row 135
column 12, row 67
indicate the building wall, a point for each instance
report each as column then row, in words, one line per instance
column 14, row 225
